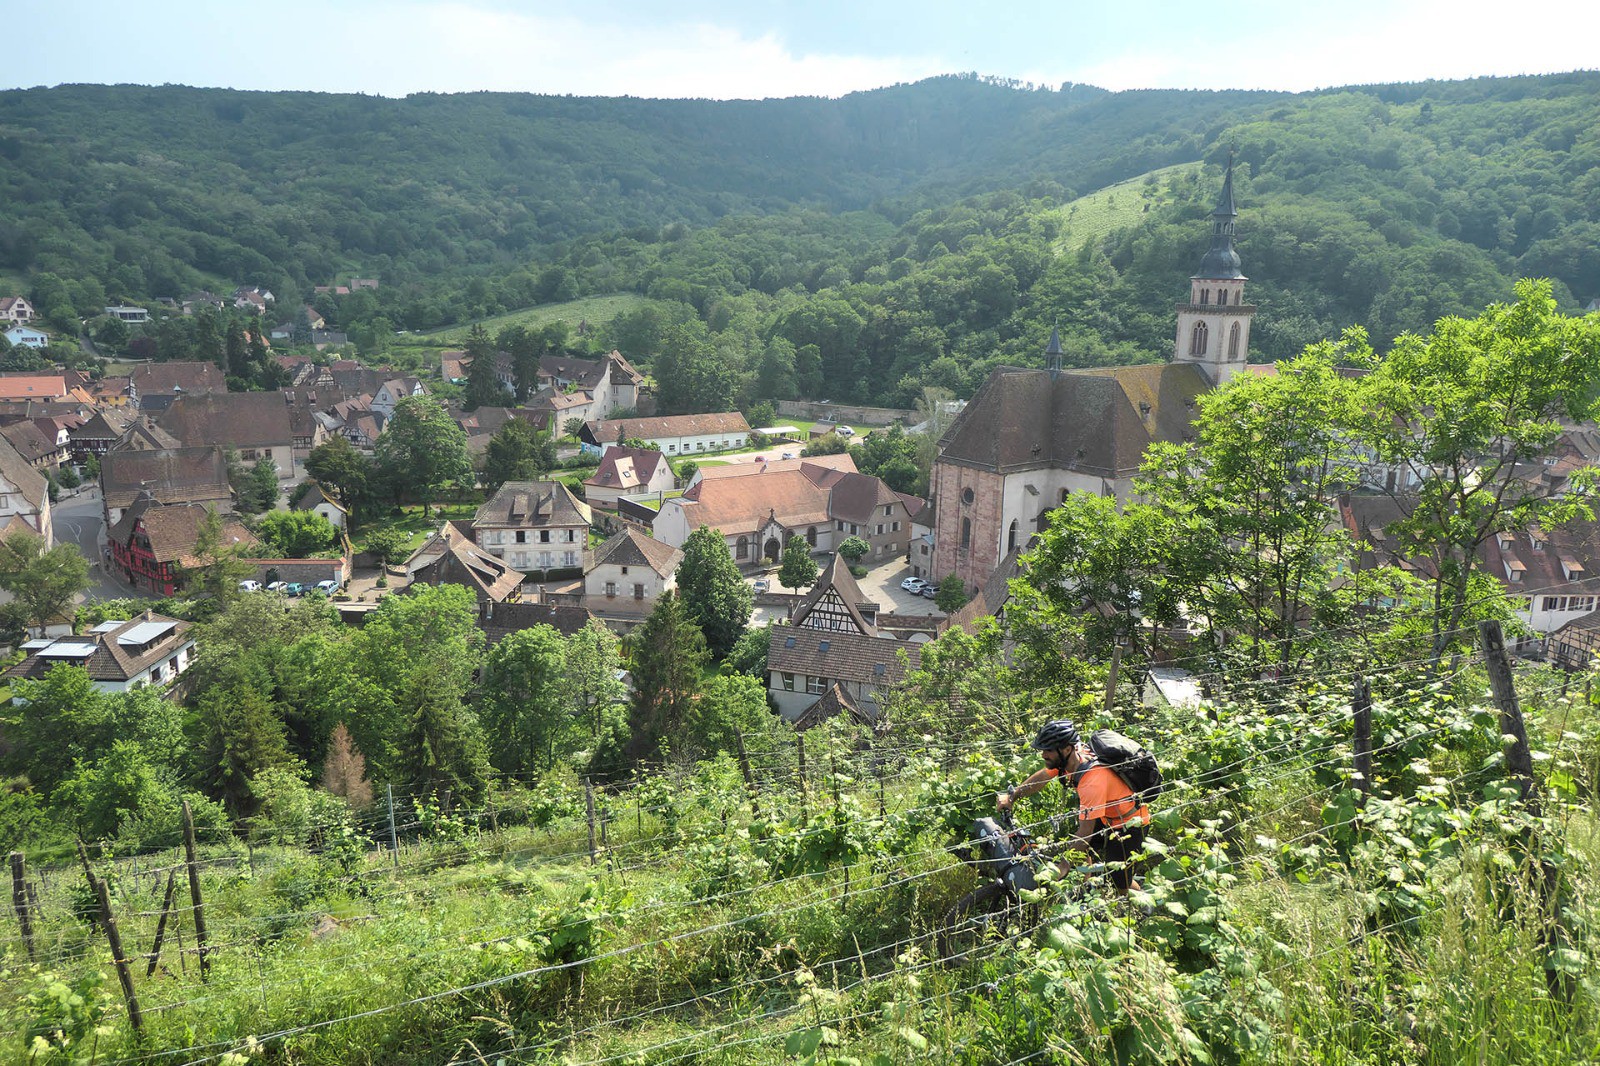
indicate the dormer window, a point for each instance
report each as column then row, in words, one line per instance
column 1514, row 571
column 1571, row 569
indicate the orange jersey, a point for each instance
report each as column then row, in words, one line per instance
column 1105, row 796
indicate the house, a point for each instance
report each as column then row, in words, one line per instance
column 534, row 525
column 356, row 284
column 450, row 557
column 24, row 496
column 152, row 543
column 202, row 300
column 1030, row 437
column 627, row 574
column 673, row 434
column 128, row 313
column 611, row 384
column 306, row 431
column 1576, row 645
column 863, row 506
column 833, row 640
column 16, row 309
column 150, row 649
column 252, row 298
column 254, row 425
column 14, row 387
column 453, row 364
column 153, row 386
column 392, row 391
column 628, row 472
column 27, row 337
column 168, row 475
column 110, row 391
column 558, row 407
column 44, row 449
column 843, row 462
column 319, row 502
column 98, row 434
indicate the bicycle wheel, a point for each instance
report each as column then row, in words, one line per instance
column 975, row 920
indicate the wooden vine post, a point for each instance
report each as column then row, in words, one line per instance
column 195, row 899
column 109, row 921
column 161, row 923
column 19, row 898
column 588, row 807
column 1361, row 701
column 805, row 798
column 749, row 779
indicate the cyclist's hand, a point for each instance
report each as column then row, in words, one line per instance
column 1002, row 801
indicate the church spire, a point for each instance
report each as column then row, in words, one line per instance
column 1221, row 261
column 1052, row 351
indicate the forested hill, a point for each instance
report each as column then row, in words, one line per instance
column 896, row 238
column 243, row 184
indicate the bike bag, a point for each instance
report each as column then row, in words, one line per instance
column 993, row 851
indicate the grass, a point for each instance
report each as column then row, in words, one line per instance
column 590, row 309
column 411, row 522
column 1091, row 217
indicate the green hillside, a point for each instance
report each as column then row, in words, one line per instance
column 591, row 309
column 1094, row 216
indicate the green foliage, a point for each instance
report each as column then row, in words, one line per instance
column 517, row 452
column 43, row 580
column 669, row 652
column 387, row 545
column 339, row 467
column 952, row 595
column 526, row 715
column 895, row 457
column 255, row 489
column 297, row 534
column 853, row 548
column 713, row 593
column 799, row 569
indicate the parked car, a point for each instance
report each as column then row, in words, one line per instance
column 250, row 586
column 761, row 584
column 914, row 585
column 276, row 586
column 788, row 455
column 845, row 431
column 293, row 588
column 930, row 591
column 329, row 586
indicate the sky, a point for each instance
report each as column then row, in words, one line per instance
column 753, row 49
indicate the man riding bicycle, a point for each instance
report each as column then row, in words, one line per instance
column 1111, row 818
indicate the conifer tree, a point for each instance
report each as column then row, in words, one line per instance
column 344, row 772
column 715, row 596
column 670, row 652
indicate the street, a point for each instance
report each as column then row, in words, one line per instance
column 79, row 520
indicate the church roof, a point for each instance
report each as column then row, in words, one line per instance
column 1098, row 422
column 1221, row 260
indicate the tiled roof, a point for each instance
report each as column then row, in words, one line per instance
column 171, row 475
column 31, row 442
column 632, row 548
column 831, row 704
column 529, row 504
column 450, row 557
column 814, row 466
column 500, row 620
column 842, row 656
column 835, row 582
column 857, row 497
column 174, row 529
column 314, row 495
column 112, row 659
column 197, row 377
column 667, row 426
column 232, row 419
column 1099, row 421
column 22, row 477
column 626, row 468
column 743, row 505
column 32, row 386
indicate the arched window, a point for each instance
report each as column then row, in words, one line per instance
column 966, row 532
column 811, row 536
column 1197, row 339
column 1233, row 342
column 1205, row 296
column 742, row 548
column 1011, row 537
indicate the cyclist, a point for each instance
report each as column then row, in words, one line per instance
column 1111, row 820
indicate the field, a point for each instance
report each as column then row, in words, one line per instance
column 590, row 309
column 1088, row 218
column 789, row 913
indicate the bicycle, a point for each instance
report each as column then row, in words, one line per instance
column 1008, row 854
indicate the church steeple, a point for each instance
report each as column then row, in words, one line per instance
column 1214, row 326
column 1052, row 352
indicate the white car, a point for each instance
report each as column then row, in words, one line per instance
column 330, row 586
column 250, row 586
column 845, row 431
column 914, row 585
column 277, row 586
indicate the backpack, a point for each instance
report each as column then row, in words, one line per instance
column 1128, row 760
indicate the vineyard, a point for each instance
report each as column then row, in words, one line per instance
column 784, row 907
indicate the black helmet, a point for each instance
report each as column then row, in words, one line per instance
column 1058, row 733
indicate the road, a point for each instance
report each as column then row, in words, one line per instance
column 79, row 520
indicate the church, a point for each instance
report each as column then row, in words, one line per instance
column 1029, row 437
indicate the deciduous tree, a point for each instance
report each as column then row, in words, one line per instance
column 715, row 596
column 422, row 450
column 44, row 581
column 799, row 569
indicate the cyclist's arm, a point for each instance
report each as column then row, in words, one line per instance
column 1034, row 783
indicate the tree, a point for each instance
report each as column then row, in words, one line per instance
column 441, row 748
column 597, row 695
column 255, row 489
column 387, row 545
column 952, row 595
column 1466, row 410
column 241, row 736
column 218, row 567
column 344, row 772
column 422, row 450
column 715, row 596
column 853, row 548
column 517, row 452
column 729, row 705
column 799, row 570
column 340, row 468
column 669, row 653
column 483, row 379
column 572, row 427
column 43, row 581
column 297, row 534
column 523, row 699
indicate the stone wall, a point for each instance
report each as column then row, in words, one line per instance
column 870, row 416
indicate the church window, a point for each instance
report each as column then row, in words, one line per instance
column 966, row 496
column 811, row 536
column 1205, row 296
column 1011, row 537
column 966, row 532
column 1233, row 342
column 742, row 548
column 1197, row 339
